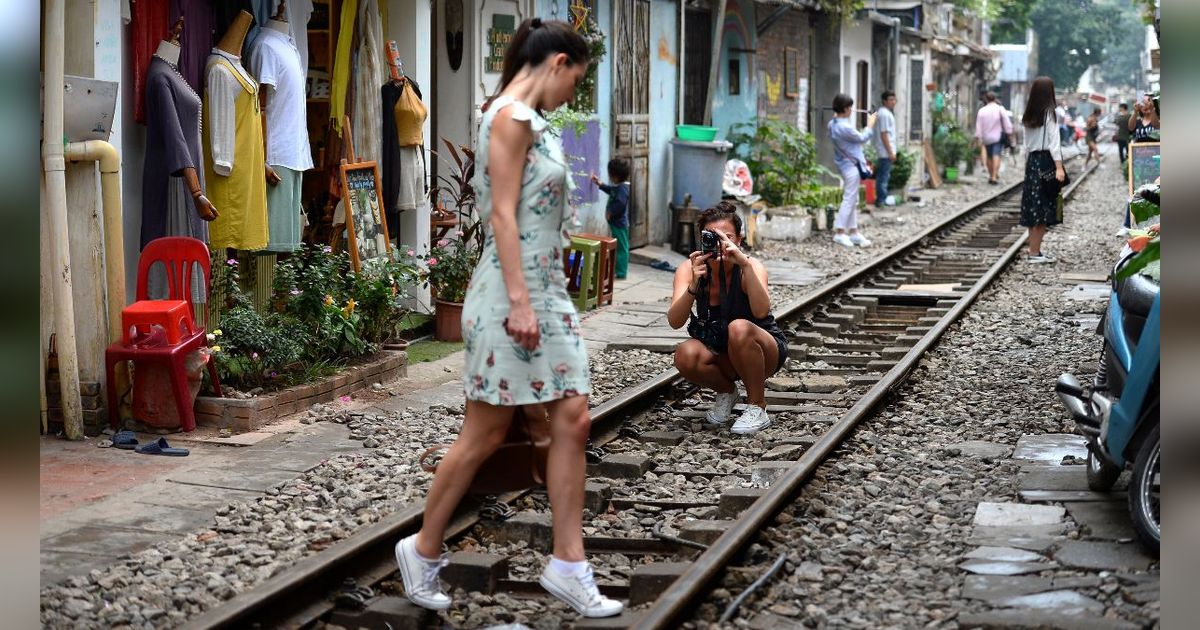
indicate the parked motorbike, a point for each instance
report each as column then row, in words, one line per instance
column 1119, row 413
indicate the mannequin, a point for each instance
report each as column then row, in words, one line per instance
column 173, row 200
column 233, row 145
column 403, row 147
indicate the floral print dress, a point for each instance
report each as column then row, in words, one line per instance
column 498, row 370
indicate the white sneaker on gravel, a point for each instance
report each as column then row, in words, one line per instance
column 722, row 407
column 1041, row 259
column 420, row 576
column 843, row 240
column 860, row 240
column 753, row 420
column 580, row 592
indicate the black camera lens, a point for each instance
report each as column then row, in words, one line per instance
column 709, row 242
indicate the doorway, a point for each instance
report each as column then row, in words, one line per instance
column 697, row 57
column 631, row 107
column 860, row 99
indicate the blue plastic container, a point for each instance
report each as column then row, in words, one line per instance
column 697, row 169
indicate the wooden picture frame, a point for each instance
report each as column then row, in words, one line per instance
column 791, row 72
column 1141, row 167
column 366, row 217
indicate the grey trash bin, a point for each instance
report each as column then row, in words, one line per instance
column 697, row 169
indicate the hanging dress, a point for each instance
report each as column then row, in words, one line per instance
column 237, row 190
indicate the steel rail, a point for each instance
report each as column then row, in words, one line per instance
column 311, row 579
column 681, row 594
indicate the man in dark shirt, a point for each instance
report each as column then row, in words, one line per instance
column 617, row 211
column 1122, row 136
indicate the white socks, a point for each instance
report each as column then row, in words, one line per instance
column 568, row 569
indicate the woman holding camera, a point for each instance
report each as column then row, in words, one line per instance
column 734, row 335
column 852, row 164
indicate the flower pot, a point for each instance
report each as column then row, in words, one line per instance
column 951, row 174
column 447, row 320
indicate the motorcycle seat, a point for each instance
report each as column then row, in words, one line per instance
column 1136, row 294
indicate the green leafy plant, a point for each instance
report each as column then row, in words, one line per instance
column 585, row 93
column 1144, row 205
column 568, row 117
column 902, row 169
column 951, row 146
column 451, row 260
column 782, row 159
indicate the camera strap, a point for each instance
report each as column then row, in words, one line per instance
column 723, row 294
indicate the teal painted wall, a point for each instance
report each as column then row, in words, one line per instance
column 739, row 33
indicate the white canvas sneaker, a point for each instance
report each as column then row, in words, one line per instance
column 722, row 407
column 420, row 576
column 580, row 592
column 843, row 240
column 858, row 239
column 753, row 420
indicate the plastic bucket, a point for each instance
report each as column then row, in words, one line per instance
column 697, row 169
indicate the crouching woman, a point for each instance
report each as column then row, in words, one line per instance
column 734, row 335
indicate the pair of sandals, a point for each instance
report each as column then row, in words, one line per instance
column 127, row 441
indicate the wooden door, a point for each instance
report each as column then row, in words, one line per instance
column 860, row 100
column 631, row 107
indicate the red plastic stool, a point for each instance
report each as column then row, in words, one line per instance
column 174, row 316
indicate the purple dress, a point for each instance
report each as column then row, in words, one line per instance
column 172, row 144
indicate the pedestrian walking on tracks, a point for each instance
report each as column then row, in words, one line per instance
column 991, row 125
column 852, row 163
column 885, row 147
column 734, row 335
column 1123, row 132
column 1041, row 204
column 520, row 328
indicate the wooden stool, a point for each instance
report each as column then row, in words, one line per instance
column 581, row 270
column 606, row 278
column 683, row 228
column 441, row 221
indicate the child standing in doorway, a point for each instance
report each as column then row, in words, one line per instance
column 617, row 211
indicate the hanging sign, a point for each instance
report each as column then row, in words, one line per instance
column 1143, row 164
column 366, row 227
column 498, row 37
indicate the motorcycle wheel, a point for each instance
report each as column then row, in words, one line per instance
column 1101, row 475
column 1144, row 492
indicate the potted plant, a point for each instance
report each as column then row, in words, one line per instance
column 452, row 259
column 951, row 146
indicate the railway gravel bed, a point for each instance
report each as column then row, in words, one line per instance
column 891, row 513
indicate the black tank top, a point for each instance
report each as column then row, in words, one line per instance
column 738, row 307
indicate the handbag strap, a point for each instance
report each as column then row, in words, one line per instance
column 839, row 149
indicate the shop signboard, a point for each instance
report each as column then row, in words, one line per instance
column 498, row 37
column 365, row 225
column 1143, row 164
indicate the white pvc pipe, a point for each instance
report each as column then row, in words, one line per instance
column 56, row 206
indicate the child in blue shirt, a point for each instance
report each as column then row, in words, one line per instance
column 617, row 211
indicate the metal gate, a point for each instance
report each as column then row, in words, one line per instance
column 631, row 107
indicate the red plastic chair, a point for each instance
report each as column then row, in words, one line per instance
column 179, row 255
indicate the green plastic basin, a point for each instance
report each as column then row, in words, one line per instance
column 695, row 133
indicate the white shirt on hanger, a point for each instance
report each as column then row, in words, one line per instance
column 223, row 89
column 276, row 62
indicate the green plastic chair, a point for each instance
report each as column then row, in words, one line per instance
column 583, row 273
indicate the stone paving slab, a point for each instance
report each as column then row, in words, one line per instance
column 1004, row 554
column 1088, row 291
column 59, row 565
column 1073, row 478
column 1111, row 556
column 1039, row 539
column 102, row 540
column 235, row 478
column 1061, row 496
column 989, row 514
column 1104, row 520
column 1050, row 448
column 1058, row 602
column 977, row 448
column 996, row 567
column 996, row 588
column 1015, row 618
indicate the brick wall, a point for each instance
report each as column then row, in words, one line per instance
column 790, row 31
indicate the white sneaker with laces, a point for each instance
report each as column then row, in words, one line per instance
column 843, row 240
column 420, row 576
column 580, row 592
column 858, row 239
column 722, row 407
column 752, row 420
column 1041, row 259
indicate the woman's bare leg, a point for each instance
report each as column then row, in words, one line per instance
column 699, row 365
column 566, row 469
column 484, row 429
column 1035, row 239
column 754, row 355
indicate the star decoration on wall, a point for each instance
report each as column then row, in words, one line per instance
column 579, row 14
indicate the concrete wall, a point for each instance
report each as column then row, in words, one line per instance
column 738, row 33
column 855, row 47
column 452, row 101
column 793, row 30
column 825, row 80
column 664, row 90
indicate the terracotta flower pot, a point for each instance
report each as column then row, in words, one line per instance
column 447, row 320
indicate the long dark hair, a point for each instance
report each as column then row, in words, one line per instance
column 723, row 211
column 1041, row 103
column 535, row 40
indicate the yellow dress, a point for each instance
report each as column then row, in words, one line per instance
column 240, row 197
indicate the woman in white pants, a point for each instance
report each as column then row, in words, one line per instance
column 848, row 156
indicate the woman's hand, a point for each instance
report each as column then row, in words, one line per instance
column 732, row 251
column 699, row 269
column 1059, row 173
column 522, row 326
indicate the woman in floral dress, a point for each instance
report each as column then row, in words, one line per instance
column 521, row 330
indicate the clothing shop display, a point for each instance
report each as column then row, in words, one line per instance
column 172, row 144
column 366, row 118
column 341, row 64
column 233, row 149
column 148, row 23
column 498, row 370
column 226, row 13
column 198, row 24
column 403, row 167
column 285, row 211
column 298, row 12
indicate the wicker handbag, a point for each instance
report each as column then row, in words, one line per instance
column 519, row 463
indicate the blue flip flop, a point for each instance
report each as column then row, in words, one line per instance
column 161, row 448
column 124, row 440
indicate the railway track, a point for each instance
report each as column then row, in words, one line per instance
column 868, row 327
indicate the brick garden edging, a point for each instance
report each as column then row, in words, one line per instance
column 247, row 414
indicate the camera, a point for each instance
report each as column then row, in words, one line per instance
column 710, row 243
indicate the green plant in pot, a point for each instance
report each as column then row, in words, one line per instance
column 451, row 260
column 951, row 146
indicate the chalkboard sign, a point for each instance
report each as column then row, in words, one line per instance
column 1143, row 164
column 365, row 224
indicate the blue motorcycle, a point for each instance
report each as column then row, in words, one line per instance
column 1119, row 413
